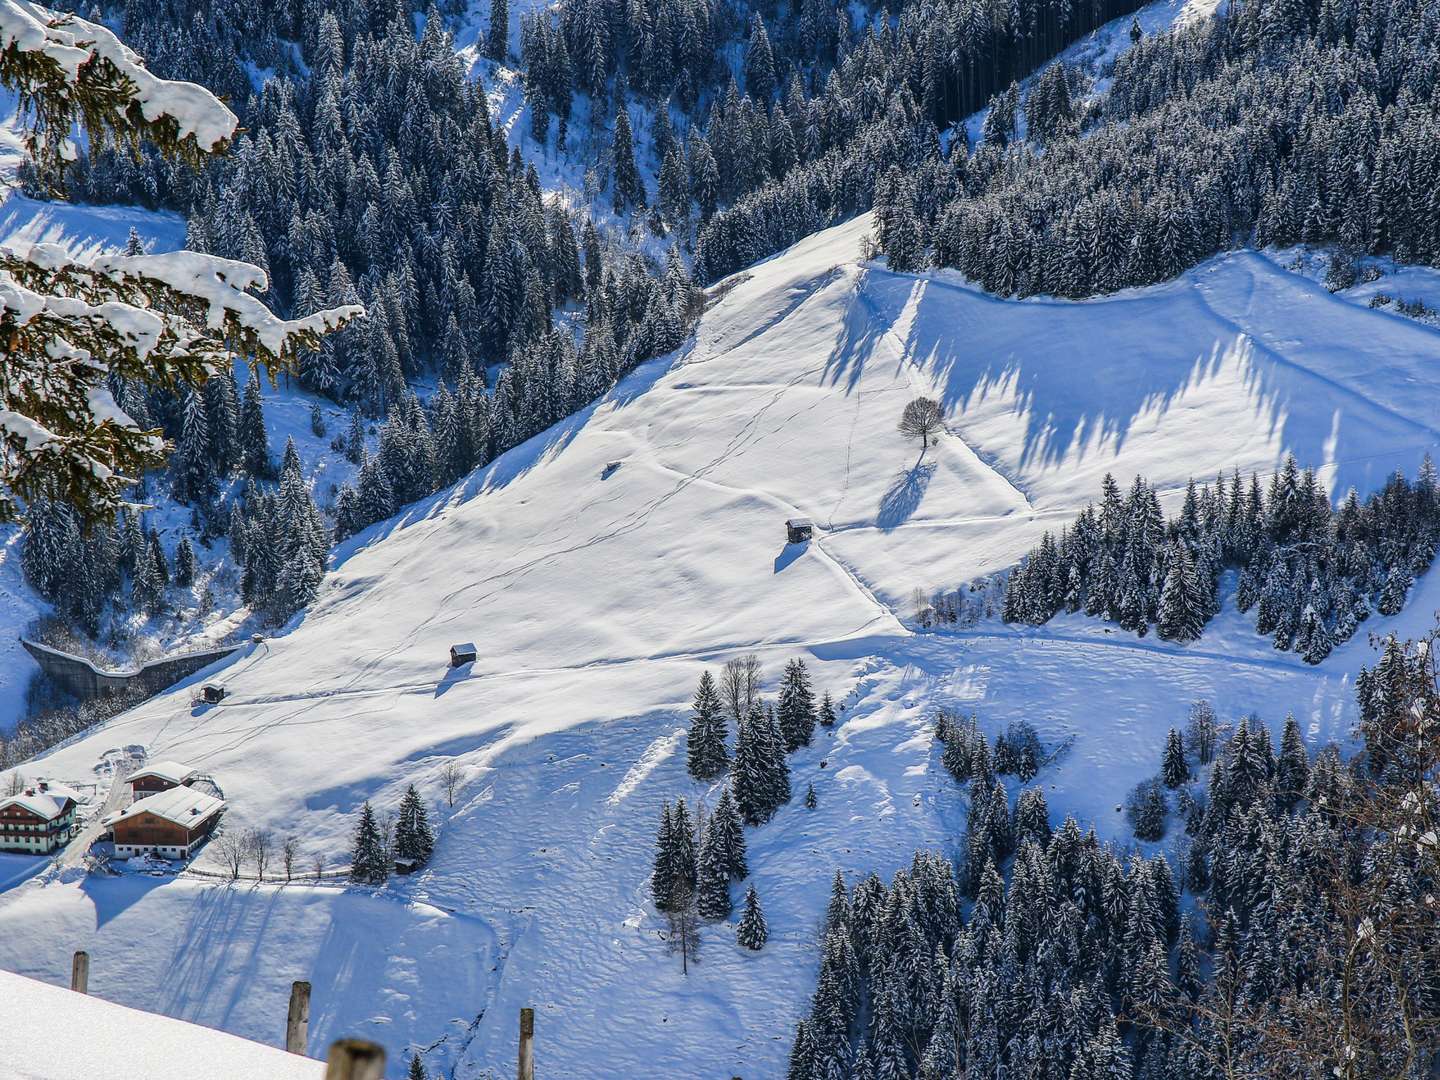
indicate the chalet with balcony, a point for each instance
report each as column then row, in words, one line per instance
column 37, row 820
column 160, row 776
column 171, row 823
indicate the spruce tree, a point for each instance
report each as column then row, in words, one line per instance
column 253, row 439
column 752, row 931
column 662, row 874
column 184, row 563
column 417, row 1070
column 797, row 706
column 750, row 771
column 712, row 875
column 369, row 863
column 1292, row 769
column 1174, row 769
column 729, row 836
column 827, row 710
column 810, row 800
column 414, row 839
column 629, row 188
column 497, row 38
column 706, row 756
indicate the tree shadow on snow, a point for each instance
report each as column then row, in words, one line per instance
column 904, row 495
column 1079, row 377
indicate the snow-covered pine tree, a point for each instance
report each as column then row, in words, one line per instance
column 414, row 839
column 810, row 800
column 628, row 187
column 729, row 836
column 712, row 876
column 706, row 755
column 184, row 563
column 369, row 864
column 254, row 442
column 827, row 710
column 752, row 932
column 1174, row 769
column 796, row 710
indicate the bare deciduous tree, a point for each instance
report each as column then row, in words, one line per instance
column 260, row 845
column 452, row 778
column 233, row 848
column 740, row 686
column 318, row 866
column 923, row 420
column 289, row 850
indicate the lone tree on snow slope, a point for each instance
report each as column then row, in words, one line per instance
column 923, row 420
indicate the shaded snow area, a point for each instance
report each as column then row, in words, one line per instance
column 603, row 565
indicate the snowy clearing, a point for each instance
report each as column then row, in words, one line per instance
column 597, row 595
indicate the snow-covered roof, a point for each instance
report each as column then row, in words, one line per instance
column 798, row 522
column 45, row 804
column 38, row 1041
column 182, row 805
column 176, row 772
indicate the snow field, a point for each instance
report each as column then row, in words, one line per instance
column 598, row 595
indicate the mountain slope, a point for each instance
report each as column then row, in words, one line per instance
column 603, row 565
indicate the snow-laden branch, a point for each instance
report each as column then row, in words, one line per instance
column 70, row 70
column 67, row 325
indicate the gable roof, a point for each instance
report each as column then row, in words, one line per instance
column 176, row 772
column 180, row 805
column 42, row 804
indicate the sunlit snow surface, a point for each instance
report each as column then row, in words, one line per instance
column 596, row 601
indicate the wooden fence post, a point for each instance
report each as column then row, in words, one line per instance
column 80, row 973
column 297, row 1023
column 355, row 1059
column 527, row 1044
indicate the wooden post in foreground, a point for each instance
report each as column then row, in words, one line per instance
column 355, row 1059
column 80, row 973
column 297, row 1023
column 527, row 1044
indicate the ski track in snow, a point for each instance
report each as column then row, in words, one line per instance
column 596, row 604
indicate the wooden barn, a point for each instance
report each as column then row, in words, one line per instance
column 159, row 776
column 798, row 530
column 37, row 820
column 464, row 653
column 172, row 823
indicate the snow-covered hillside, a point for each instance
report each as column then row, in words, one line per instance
column 602, row 566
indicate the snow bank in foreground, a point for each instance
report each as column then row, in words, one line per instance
column 53, row 1034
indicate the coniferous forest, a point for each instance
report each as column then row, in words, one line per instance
column 1312, row 573
column 1292, row 937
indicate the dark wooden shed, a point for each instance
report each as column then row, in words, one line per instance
column 212, row 693
column 798, row 530
column 462, row 654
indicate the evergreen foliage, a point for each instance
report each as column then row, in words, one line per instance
column 414, row 839
column 1311, row 572
column 370, row 850
column 1311, row 879
column 706, row 755
column 751, row 932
